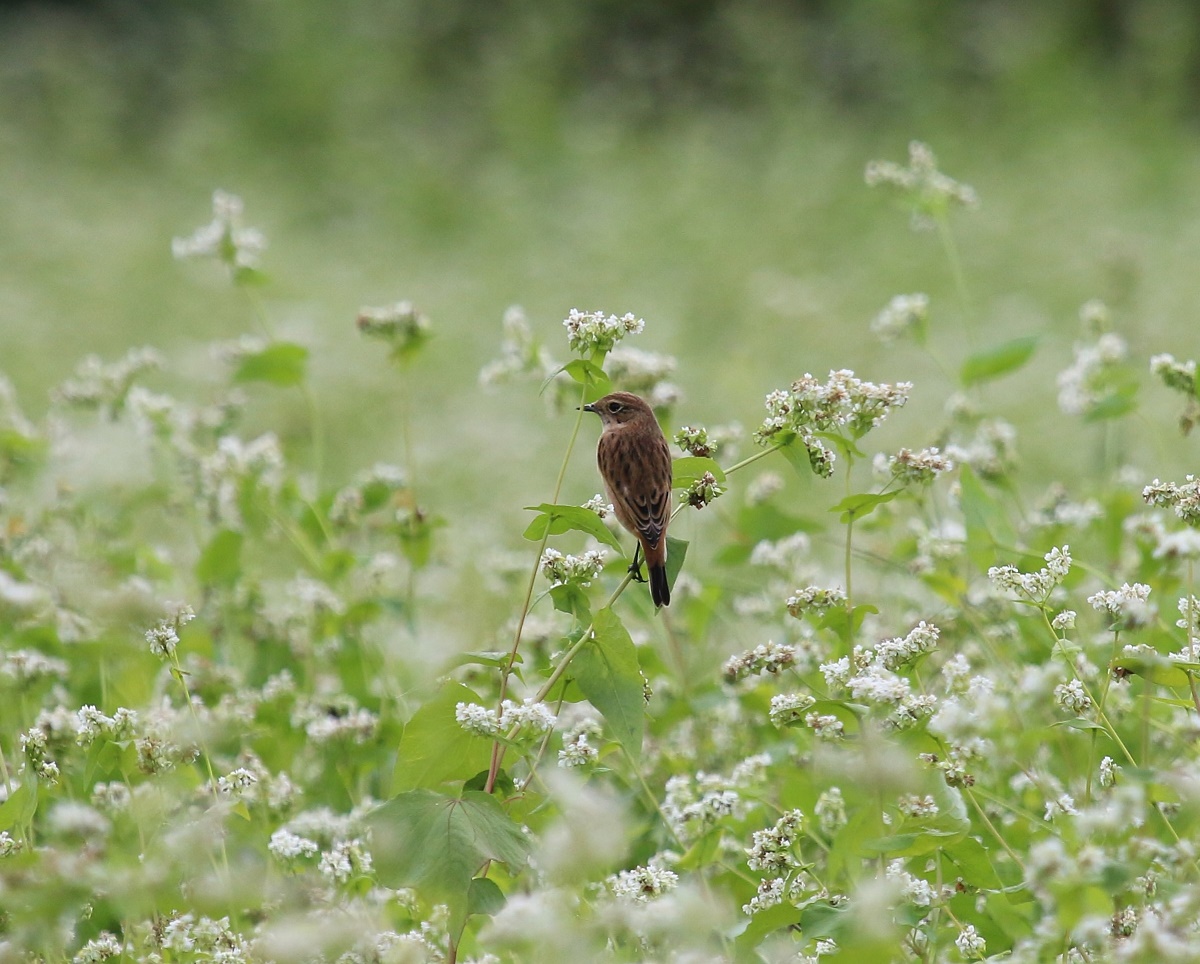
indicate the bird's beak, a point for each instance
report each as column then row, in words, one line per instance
column 589, row 407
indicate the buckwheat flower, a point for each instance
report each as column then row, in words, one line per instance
column 1184, row 544
column 477, row 719
column 830, row 811
column 224, row 238
column 1038, row 585
column 26, row 667
column 1064, row 803
column 91, row 725
column 1184, row 499
column 764, row 486
column 521, row 354
column 1072, row 697
column 598, row 505
column 643, row 884
column 969, row 943
column 1121, row 602
column 918, row 468
column 237, row 783
column 917, row 807
column 904, row 314
column 225, row 472
column 927, row 191
column 789, row 708
column 582, row 569
column 786, row 553
column 914, row 890
column 921, row 639
column 347, row 858
column 97, row 385
column 1108, row 772
column 771, row 849
column 1084, row 383
column 703, row 491
column 1064, row 620
column 353, row 725
column 578, row 750
column 537, row 717
column 99, row 949
column 1180, row 376
column 825, row 726
column 770, row 893
column 69, row 818
column 9, row 844
column 163, row 640
column 814, row 598
column 955, row 672
column 401, row 325
column 770, row 657
column 287, row 846
column 633, row 370
column 594, row 332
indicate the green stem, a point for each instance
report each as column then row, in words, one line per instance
column 497, row 747
column 950, row 246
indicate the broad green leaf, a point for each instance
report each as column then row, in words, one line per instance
column 606, row 670
column 220, row 564
column 494, row 657
column 437, row 843
column 676, row 553
column 823, row 920
column 1156, row 669
column 846, row 623
column 20, row 807
column 557, row 519
column 843, row 446
column 1000, row 360
column 282, row 363
column 484, row 897
column 1113, row 405
column 690, row 468
column 855, row 507
column 434, row 748
column 973, row 862
column 767, row 922
column 1081, row 724
column 986, row 521
column 570, row 598
column 588, row 373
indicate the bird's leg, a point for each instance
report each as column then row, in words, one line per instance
column 635, row 567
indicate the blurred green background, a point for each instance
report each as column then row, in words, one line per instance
column 697, row 163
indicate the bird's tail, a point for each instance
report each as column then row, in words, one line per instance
column 660, row 591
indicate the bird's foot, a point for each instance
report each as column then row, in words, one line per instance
column 635, row 570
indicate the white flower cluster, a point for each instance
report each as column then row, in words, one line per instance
column 1181, row 376
column 370, row 490
column 918, row 808
column 991, row 451
column 899, row 651
column 643, row 883
column 693, row 804
column 579, row 741
column 814, row 598
column 97, row 385
column 771, row 849
column 1035, row 586
column 969, row 943
column 644, row 373
column 537, row 717
column 601, row 506
column 1064, row 620
column 1184, row 499
column 346, row 859
column 27, row 666
column 786, row 553
column 928, row 191
column 830, row 811
column 915, row 468
column 763, row 487
column 769, row 657
column 164, row 637
column 225, row 472
column 288, row 847
column 594, row 332
column 582, row 569
column 842, row 401
column 1128, row 601
column 92, row 725
column 337, row 721
column 789, row 708
column 224, row 237
column 520, row 353
column 1073, row 697
column 1081, row 386
column 401, row 325
column 204, row 937
column 915, row 890
column 903, row 314
column 99, row 949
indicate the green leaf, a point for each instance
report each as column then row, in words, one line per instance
column 846, row 623
column 570, row 598
column 986, row 522
column 19, row 808
column 587, row 372
column 843, row 446
column 691, row 468
column 823, row 920
column 437, row 843
column 557, row 519
column 493, row 657
column 606, row 670
column 434, row 748
column 484, row 898
column 1156, row 669
column 767, row 922
column 282, row 363
column 220, row 564
column 855, row 507
column 1081, row 724
column 676, row 553
column 994, row 362
column 973, row 862
column 1116, row 403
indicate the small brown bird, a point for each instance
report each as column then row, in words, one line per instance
column 635, row 464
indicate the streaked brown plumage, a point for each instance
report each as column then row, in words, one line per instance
column 635, row 464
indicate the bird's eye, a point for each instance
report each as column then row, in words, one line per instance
column 614, row 407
